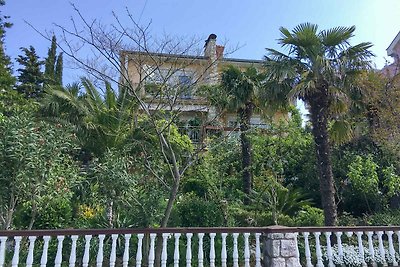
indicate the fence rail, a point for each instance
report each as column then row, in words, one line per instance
column 221, row 246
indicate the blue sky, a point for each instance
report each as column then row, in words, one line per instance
column 253, row 25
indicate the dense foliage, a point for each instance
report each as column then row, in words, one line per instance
column 86, row 156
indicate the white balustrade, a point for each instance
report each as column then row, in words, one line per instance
column 250, row 251
column 212, row 249
column 235, row 250
column 29, row 258
column 246, row 250
column 100, row 252
column 339, row 244
column 3, row 241
column 125, row 257
column 164, row 255
column 152, row 253
column 200, row 255
column 371, row 248
column 139, row 254
column 258, row 250
column 72, row 256
column 86, row 254
column 113, row 254
column 223, row 250
column 398, row 239
column 58, row 259
column 361, row 247
column 318, row 250
column 329, row 249
column 176, row 250
column 381, row 248
column 189, row 249
column 392, row 252
column 43, row 260
column 15, row 259
column 307, row 250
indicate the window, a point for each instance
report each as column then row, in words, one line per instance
column 184, row 84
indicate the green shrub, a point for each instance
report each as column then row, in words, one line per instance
column 310, row 216
column 195, row 211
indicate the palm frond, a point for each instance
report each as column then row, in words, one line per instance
column 340, row 131
column 336, row 38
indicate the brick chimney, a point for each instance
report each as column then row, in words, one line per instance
column 220, row 51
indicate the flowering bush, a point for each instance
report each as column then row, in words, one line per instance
column 352, row 258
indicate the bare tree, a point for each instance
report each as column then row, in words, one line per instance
column 157, row 73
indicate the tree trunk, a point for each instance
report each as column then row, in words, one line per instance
column 245, row 116
column 319, row 119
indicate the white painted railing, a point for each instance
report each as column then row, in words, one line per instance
column 132, row 247
column 316, row 246
column 349, row 246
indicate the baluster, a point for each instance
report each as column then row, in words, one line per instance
column 235, row 250
column 223, row 249
column 29, row 258
column 189, row 249
column 3, row 240
column 100, row 253
column 258, row 250
column 318, row 250
column 340, row 246
column 307, row 251
column 15, row 259
column 43, row 260
column 139, row 255
column 296, row 242
column 371, row 248
column 72, row 256
column 176, row 251
column 329, row 249
column 212, row 250
column 164, row 255
column 391, row 248
column 361, row 248
column 113, row 254
column 246, row 250
column 58, row 260
column 398, row 239
column 151, row 253
column 86, row 254
column 125, row 257
column 200, row 254
column 381, row 248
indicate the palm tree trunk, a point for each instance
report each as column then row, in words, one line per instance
column 319, row 120
column 245, row 116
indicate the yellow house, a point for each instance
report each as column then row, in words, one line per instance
column 169, row 82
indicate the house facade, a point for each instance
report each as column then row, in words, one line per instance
column 393, row 51
column 173, row 81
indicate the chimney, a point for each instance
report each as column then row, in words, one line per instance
column 220, row 51
column 210, row 47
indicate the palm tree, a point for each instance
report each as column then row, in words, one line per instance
column 240, row 89
column 102, row 122
column 319, row 68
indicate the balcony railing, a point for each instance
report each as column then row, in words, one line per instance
column 267, row 246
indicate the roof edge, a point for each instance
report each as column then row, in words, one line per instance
column 390, row 49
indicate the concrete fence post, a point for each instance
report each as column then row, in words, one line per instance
column 280, row 249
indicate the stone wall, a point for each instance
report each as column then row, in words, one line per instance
column 280, row 250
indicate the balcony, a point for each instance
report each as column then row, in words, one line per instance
column 266, row 246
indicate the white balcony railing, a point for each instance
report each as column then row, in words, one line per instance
column 267, row 246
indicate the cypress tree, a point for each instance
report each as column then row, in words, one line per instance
column 30, row 77
column 53, row 65
column 6, row 79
